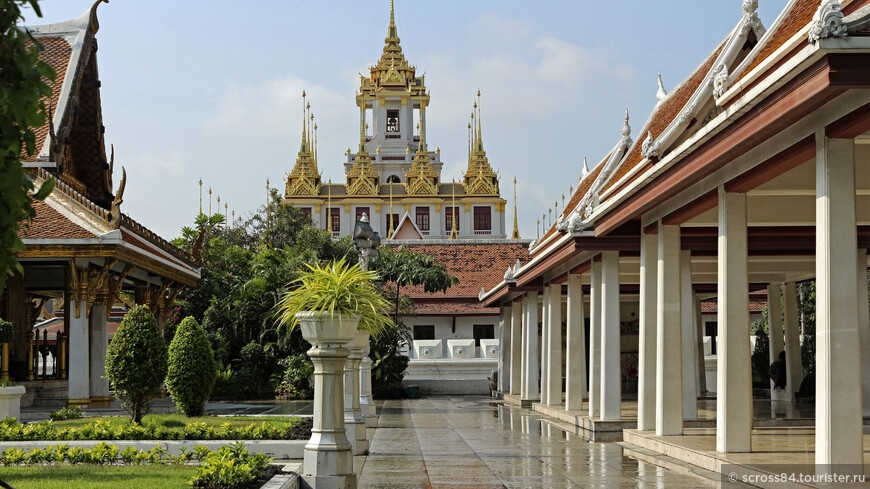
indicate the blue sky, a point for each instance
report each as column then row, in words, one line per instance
column 212, row 89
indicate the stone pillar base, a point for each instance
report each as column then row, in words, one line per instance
column 321, row 461
column 78, row 402
column 356, row 430
column 101, row 401
column 328, row 482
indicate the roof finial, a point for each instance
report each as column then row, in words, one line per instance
column 626, row 129
column 479, row 136
column 392, row 32
column 585, row 170
column 304, row 121
column 200, row 195
column 661, row 93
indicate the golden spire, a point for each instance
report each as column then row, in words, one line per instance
column 516, row 233
column 304, row 179
column 393, row 31
column 538, row 228
column 469, row 143
column 200, row 195
column 390, row 219
column 209, row 201
column 234, row 218
column 226, row 215
column 362, row 178
column 480, row 179
column 454, row 214
column 219, row 202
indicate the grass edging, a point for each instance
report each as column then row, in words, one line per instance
column 277, row 449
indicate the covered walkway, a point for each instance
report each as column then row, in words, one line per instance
column 471, row 442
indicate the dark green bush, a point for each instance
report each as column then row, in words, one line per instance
column 253, row 377
column 389, row 363
column 136, row 361
column 192, row 368
column 296, row 382
column 7, row 331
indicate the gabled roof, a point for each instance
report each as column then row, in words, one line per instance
column 407, row 229
column 78, row 147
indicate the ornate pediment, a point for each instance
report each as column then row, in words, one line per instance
column 363, row 179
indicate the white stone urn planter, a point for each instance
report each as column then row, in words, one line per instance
column 328, row 460
column 10, row 401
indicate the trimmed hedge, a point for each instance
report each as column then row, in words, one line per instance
column 294, row 429
column 136, row 361
column 192, row 368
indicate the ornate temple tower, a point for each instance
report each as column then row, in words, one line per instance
column 393, row 176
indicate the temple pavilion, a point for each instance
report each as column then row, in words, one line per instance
column 81, row 247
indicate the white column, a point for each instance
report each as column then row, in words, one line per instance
column 524, row 351
column 531, row 373
column 516, row 347
column 353, row 421
column 646, row 359
column 793, row 366
column 611, row 364
column 79, row 358
column 777, row 342
column 545, row 344
column 554, row 338
column 838, row 341
column 595, row 340
column 504, row 349
column 864, row 326
column 734, row 383
column 669, row 390
column 98, row 339
column 575, row 367
column 328, row 459
column 687, row 337
column 702, row 364
column 366, row 402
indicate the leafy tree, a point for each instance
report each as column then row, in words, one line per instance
column 402, row 267
column 23, row 88
column 136, row 361
column 192, row 368
column 397, row 268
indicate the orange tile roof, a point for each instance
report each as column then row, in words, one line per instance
column 475, row 265
column 453, row 307
column 50, row 223
column 665, row 113
column 799, row 16
column 57, row 54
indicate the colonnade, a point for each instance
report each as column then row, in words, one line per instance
column 670, row 355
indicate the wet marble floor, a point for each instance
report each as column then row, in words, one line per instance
column 469, row 442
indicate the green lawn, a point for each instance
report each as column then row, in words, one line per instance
column 98, row 477
column 175, row 420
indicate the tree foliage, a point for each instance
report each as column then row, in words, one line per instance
column 23, row 88
column 136, row 361
column 192, row 368
column 401, row 267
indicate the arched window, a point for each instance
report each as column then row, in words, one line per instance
column 393, row 179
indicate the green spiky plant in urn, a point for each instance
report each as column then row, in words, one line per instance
column 336, row 295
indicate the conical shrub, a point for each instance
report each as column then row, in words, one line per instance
column 192, row 368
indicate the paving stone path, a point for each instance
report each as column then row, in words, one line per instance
column 469, row 442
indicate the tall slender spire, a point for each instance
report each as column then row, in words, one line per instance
column 304, row 179
column 200, row 195
column 392, row 31
column 516, row 233
column 480, row 179
column 479, row 133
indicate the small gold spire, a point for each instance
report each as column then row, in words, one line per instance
column 200, row 195
column 329, row 206
column 209, row 201
column 234, row 218
column 226, row 215
column 390, row 218
column 516, row 232
column 563, row 202
column 454, row 214
column 538, row 228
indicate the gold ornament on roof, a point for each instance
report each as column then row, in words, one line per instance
column 304, row 179
column 480, row 179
